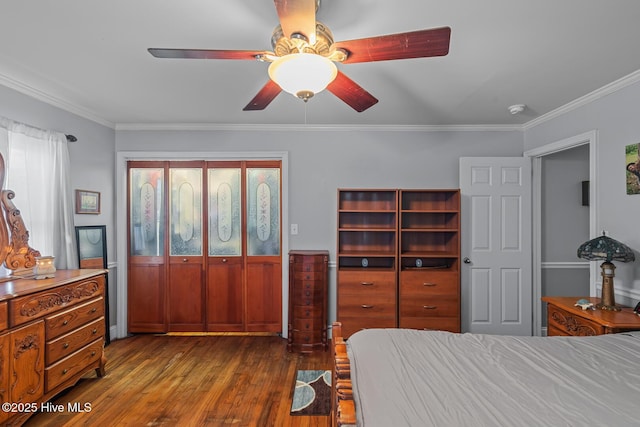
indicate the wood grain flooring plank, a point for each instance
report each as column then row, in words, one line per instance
column 162, row 380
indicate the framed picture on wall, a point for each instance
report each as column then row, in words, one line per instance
column 87, row 202
column 632, row 160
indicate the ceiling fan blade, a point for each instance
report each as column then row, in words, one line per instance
column 415, row 44
column 297, row 17
column 351, row 93
column 267, row 94
column 206, row 53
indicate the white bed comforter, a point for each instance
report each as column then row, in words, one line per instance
column 433, row 378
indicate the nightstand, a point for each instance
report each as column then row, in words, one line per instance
column 563, row 318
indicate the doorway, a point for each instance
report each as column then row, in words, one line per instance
column 541, row 267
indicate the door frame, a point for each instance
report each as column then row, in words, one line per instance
column 588, row 138
column 122, row 157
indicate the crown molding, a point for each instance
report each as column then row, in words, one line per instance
column 586, row 99
column 314, row 128
column 52, row 100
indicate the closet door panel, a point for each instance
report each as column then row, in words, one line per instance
column 186, row 269
column 225, row 292
column 264, row 295
column 146, row 262
column 263, row 261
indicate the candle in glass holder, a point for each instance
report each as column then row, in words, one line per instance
column 45, row 268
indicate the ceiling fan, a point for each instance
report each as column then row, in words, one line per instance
column 304, row 56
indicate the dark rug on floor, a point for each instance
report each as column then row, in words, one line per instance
column 312, row 393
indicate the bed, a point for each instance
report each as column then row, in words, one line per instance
column 405, row 377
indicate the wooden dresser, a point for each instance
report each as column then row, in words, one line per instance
column 52, row 332
column 563, row 318
column 308, row 287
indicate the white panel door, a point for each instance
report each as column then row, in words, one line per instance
column 496, row 245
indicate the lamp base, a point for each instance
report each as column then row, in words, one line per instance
column 601, row 306
column 607, row 301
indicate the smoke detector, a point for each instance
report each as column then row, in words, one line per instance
column 516, row 108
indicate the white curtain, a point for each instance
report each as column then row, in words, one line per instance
column 37, row 170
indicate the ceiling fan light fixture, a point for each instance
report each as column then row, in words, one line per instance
column 303, row 74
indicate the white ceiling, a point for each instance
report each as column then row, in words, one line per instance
column 90, row 57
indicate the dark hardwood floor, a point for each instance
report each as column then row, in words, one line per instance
column 190, row 381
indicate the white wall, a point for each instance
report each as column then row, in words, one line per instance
column 321, row 161
column 614, row 117
column 92, row 158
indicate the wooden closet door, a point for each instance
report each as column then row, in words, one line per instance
column 186, row 292
column 264, row 259
column 225, row 261
column 146, row 270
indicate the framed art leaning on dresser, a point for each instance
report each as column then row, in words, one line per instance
column 91, row 241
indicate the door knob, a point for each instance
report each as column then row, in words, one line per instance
column 466, row 260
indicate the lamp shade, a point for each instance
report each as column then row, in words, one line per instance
column 303, row 74
column 605, row 248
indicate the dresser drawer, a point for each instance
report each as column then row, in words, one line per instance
column 4, row 315
column 307, row 312
column 73, row 364
column 66, row 344
column 309, row 326
column 310, row 275
column 307, row 337
column 68, row 320
column 439, row 282
column 356, row 282
column 308, row 263
column 569, row 324
column 308, row 295
column 370, row 305
column 27, row 308
column 430, row 306
column 450, row 324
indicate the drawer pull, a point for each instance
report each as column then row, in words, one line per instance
column 429, row 307
column 308, row 277
column 366, row 283
column 428, row 284
column 308, row 293
column 64, row 371
column 65, row 323
column 65, row 345
column 185, row 260
column 224, row 260
column 95, row 331
column 366, row 306
column 93, row 310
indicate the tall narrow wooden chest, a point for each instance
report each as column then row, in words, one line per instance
column 308, row 288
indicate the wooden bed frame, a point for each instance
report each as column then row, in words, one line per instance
column 342, row 405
